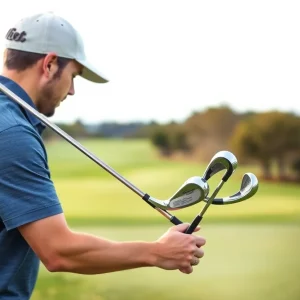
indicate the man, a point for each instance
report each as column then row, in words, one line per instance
column 43, row 55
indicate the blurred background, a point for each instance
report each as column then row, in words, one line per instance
column 187, row 79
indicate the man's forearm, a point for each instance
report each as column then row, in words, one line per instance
column 87, row 254
column 62, row 250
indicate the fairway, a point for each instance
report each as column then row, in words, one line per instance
column 252, row 247
column 251, row 262
column 91, row 196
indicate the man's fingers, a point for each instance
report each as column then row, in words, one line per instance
column 199, row 253
column 180, row 228
column 195, row 261
column 185, row 250
column 186, row 270
column 197, row 229
column 200, row 241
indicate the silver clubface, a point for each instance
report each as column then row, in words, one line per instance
column 220, row 161
column 194, row 190
column 248, row 189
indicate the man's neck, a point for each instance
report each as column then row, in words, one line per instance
column 23, row 79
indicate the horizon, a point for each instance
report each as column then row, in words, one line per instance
column 135, row 121
column 167, row 59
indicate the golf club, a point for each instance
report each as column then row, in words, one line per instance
column 248, row 189
column 220, row 161
column 191, row 192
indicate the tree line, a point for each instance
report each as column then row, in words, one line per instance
column 269, row 139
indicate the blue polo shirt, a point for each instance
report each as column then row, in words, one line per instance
column 27, row 193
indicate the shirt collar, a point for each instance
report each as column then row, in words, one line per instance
column 18, row 90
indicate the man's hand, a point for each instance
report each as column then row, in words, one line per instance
column 177, row 250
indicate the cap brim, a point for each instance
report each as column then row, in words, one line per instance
column 90, row 73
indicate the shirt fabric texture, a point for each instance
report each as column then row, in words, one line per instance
column 27, row 193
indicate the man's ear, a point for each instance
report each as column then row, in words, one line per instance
column 4, row 55
column 50, row 65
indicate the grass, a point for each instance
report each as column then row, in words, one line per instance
column 249, row 261
column 252, row 247
column 107, row 201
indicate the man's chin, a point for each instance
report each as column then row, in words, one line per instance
column 50, row 114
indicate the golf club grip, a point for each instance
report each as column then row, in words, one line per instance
column 194, row 225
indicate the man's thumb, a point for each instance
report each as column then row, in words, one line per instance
column 183, row 227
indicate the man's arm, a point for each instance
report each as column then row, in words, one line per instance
column 29, row 202
column 62, row 250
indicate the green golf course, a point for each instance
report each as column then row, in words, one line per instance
column 252, row 247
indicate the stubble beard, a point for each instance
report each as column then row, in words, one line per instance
column 47, row 102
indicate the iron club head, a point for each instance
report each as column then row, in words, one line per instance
column 194, row 190
column 249, row 187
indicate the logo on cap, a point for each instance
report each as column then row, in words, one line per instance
column 13, row 35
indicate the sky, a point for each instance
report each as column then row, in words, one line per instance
column 166, row 59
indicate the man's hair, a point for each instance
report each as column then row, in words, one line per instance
column 21, row 60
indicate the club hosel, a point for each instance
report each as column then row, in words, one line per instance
column 207, row 175
column 146, row 197
column 218, row 202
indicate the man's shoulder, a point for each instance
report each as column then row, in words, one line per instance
column 11, row 114
column 17, row 135
column 23, row 140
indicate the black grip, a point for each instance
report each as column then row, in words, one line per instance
column 193, row 226
column 218, row 201
column 175, row 221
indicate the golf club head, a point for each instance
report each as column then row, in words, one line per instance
column 194, row 190
column 223, row 160
column 249, row 187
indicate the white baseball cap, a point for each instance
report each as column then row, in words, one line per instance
column 47, row 32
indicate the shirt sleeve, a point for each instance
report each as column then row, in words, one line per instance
column 27, row 193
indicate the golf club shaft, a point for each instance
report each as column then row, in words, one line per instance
column 85, row 151
column 69, row 139
column 199, row 217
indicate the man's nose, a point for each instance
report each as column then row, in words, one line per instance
column 71, row 90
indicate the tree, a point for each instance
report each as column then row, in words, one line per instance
column 161, row 140
column 180, row 141
column 247, row 143
column 267, row 137
column 296, row 167
column 210, row 131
